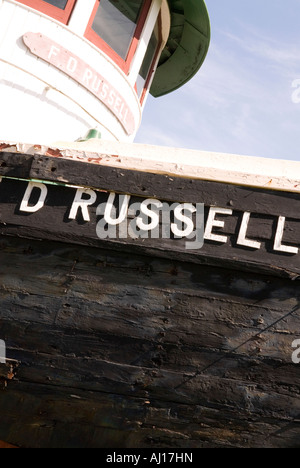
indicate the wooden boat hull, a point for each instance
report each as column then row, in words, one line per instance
column 120, row 350
column 129, row 344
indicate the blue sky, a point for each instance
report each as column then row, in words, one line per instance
column 242, row 100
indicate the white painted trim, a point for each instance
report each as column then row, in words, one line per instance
column 33, row 10
column 165, row 12
column 247, row 171
column 166, row 26
column 165, row 32
column 144, row 41
column 80, row 17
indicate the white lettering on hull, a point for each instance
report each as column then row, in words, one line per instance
column 148, row 214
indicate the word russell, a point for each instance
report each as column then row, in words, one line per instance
column 122, row 216
column 75, row 67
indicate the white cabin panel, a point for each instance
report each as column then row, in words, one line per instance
column 78, row 108
column 46, row 114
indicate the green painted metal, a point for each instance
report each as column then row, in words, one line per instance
column 186, row 48
column 92, row 133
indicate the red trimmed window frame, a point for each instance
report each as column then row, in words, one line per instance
column 93, row 37
column 54, row 12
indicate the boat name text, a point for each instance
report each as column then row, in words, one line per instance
column 121, row 217
column 81, row 72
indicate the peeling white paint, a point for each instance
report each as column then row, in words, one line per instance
column 273, row 174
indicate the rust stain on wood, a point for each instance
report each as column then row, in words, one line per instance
column 8, row 371
column 54, row 152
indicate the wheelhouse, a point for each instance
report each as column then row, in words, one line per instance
column 131, row 33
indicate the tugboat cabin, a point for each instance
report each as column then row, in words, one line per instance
column 82, row 64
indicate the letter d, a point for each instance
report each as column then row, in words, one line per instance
column 25, row 202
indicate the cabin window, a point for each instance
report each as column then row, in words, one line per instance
column 116, row 26
column 60, row 10
column 149, row 62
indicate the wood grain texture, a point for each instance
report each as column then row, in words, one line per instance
column 125, row 350
column 280, row 175
column 141, row 343
column 53, row 222
column 147, row 184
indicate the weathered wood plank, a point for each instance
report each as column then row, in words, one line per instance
column 154, row 330
column 139, row 342
column 129, row 422
column 53, row 222
column 148, row 185
column 190, row 353
column 211, row 255
column 122, row 350
column 159, row 376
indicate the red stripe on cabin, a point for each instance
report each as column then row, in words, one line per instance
column 57, row 13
